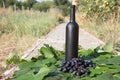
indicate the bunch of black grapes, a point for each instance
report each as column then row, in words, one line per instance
column 77, row 66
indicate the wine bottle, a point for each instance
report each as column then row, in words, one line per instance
column 72, row 32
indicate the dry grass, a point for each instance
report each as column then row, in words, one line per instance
column 9, row 44
column 20, row 30
column 6, row 11
column 108, row 31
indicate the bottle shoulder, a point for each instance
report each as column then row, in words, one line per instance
column 72, row 24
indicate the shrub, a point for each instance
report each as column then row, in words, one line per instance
column 99, row 9
column 65, row 9
column 63, row 5
column 42, row 6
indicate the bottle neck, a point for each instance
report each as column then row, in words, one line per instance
column 72, row 13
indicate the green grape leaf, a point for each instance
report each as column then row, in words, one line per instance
column 53, row 68
column 56, row 77
column 42, row 73
column 39, row 64
column 23, row 61
column 105, row 76
column 21, row 72
column 108, row 61
column 108, row 47
column 53, row 51
column 97, row 70
column 97, row 49
column 26, row 65
column 46, row 52
column 13, row 58
column 111, row 61
column 84, row 78
column 105, row 55
column 34, row 59
column 101, row 61
column 113, row 69
column 115, row 60
column 48, row 61
column 25, row 76
column 58, row 63
column 57, row 54
column 53, row 78
column 85, row 52
column 116, row 77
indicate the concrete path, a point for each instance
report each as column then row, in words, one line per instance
column 56, row 38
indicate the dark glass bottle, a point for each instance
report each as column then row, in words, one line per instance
column 72, row 31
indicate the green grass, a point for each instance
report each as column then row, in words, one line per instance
column 24, row 23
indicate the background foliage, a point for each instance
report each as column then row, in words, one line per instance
column 101, row 18
column 100, row 9
column 43, row 6
column 63, row 5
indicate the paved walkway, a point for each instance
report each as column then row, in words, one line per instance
column 56, row 38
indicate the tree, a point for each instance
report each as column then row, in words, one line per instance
column 43, row 6
column 0, row 3
column 64, row 5
column 61, row 2
column 19, row 5
column 29, row 3
column 12, row 3
column 7, row 3
column 3, row 3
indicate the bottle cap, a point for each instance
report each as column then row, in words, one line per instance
column 74, row 2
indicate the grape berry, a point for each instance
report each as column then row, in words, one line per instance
column 77, row 66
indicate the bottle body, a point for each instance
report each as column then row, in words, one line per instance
column 72, row 31
column 71, row 40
